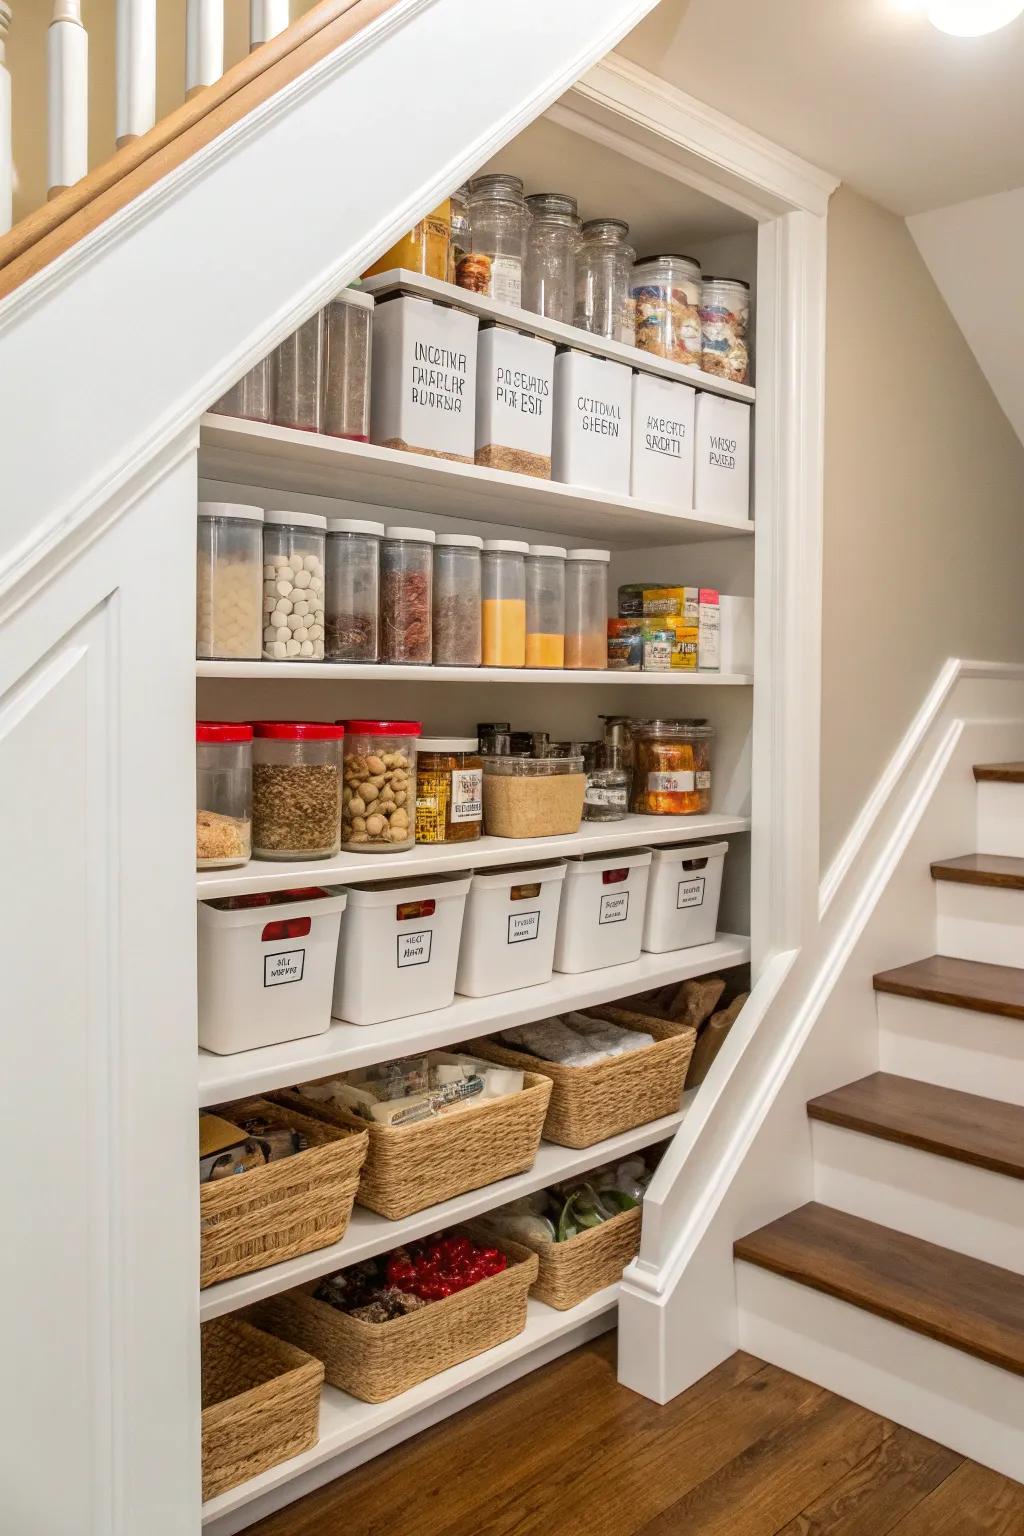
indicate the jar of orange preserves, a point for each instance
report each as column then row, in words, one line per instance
column 671, row 768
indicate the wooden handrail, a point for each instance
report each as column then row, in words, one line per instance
column 46, row 234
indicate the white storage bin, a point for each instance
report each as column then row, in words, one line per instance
column 722, row 457
column 662, row 465
column 601, row 919
column 508, row 937
column 514, row 390
column 423, row 379
column 683, row 896
column 593, row 415
column 399, row 948
column 266, row 968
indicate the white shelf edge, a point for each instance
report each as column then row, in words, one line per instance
column 332, row 671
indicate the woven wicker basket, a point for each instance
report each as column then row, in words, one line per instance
column 573, row 1270
column 261, row 1402
column 377, row 1361
column 589, row 1104
column 410, row 1167
column 283, row 1209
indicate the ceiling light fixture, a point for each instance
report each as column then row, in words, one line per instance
column 973, row 18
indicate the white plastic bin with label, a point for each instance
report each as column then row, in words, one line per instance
column 399, row 948
column 721, row 482
column 683, row 896
column 590, row 444
column 266, row 968
column 508, row 937
column 601, row 919
column 661, row 469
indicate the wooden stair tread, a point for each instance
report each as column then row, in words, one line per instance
column 999, row 773
column 971, row 984
column 993, row 869
column 960, row 1301
column 987, row 1133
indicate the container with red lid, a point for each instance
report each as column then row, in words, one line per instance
column 223, row 794
column 296, row 788
column 378, row 813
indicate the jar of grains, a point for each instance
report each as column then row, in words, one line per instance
column 604, row 262
column 457, row 641
column 498, row 219
column 229, row 591
column 725, row 320
column 293, row 586
column 586, row 609
column 378, row 812
column 665, row 292
column 425, row 249
column 504, row 603
column 352, row 589
column 406, row 571
column 545, row 606
column 296, row 369
column 671, row 768
column 549, row 282
column 533, row 796
column 223, row 794
column 345, row 403
column 250, row 397
column 449, row 790
column 459, row 243
column 296, row 789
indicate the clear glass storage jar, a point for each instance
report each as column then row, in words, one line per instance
column 533, row 796
column 607, row 795
column 229, row 590
column 604, row 262
column 345, row 403
column 223, row 794
column 498, row 219
column 549, row 281
column 406, row 585
column 297, row 365
column 503, row 607
column 425, row 249
column 296, row 789
column 586, row 609
column 378, row 812
column 671, row 768
column 457, row 578
column 449, row 789
column 293, row 586
column 725, row 321
column 459, row 244
column 250, row 397
column 665, row 292
column 351, row 625
column 545, row 606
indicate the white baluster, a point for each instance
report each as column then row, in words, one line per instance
column 204, row 44
column 6, row 150
column 136, row 68
column 266, row 19
column 68, row 105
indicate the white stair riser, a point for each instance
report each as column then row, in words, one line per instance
column 953, row 1047
column 1001, row 819
column 965, row 1403
column 980, row 922
column 938, row 1199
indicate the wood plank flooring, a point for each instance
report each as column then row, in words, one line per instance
column 747, row 1451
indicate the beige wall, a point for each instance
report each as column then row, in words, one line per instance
column 924, row 505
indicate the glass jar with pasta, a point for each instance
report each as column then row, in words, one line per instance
column 671, row 768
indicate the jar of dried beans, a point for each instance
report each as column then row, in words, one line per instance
column 352, row 589
column 671, row 768
column 293, row 586
column 406, row 586
column 223, row 794
column 449, row 790
column 586, row 609
column 295, row 370
column 666, row 302
column 457, row 600
column 378, row 813
column 296, row 789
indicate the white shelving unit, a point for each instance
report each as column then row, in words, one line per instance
column 336, row 671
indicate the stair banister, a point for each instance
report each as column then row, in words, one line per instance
column 267, row 18
column 67, row 48
column 204, row 44
column 136, row 68
column 6, row 151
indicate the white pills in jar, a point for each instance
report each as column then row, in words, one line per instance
column 293, row 584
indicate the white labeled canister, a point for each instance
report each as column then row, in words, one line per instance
column 683, row 896
column 514, row 401
column 399, row 948
column 593, row 422
column 662, row 437
column 601, row 918
column 721, row 480
column 423, row 379
column 508, row 936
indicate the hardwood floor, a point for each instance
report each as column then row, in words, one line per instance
column 747, row 1451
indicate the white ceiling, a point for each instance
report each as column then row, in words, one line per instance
column 866, row 89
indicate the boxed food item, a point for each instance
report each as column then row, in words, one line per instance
column 423, row 389
column 662, row 437
column 680, row 638
column 593, row 407
column 709, row 631
column 649, row 601
column 722, row 457
column 657, row 644
column 514, row 402
column 625, row 645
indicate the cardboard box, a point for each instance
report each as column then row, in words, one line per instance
column 423, row 378
column 662, row 463
column 709, row 631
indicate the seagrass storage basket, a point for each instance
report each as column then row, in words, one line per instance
column 570, row 1271
column 283, row 1209
column 409, row 1167
column 261, row 1402
column 589, row 1104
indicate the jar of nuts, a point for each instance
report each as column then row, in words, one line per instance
column 378, row 810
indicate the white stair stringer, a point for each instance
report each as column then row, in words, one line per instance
column 957, row 1048
column 1000, row 819
column 980, row 922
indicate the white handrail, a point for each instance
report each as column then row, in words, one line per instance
column 204, row 44
column 136, row 68
column 68, row 96
column 6, row 147
column 266, row 19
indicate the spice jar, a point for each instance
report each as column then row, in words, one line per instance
column 229, row 592
column 604, row 262
column 406, row 569
column 666, row 301
column 545, row 606
column 459, row 238
column 504, row 603
column 345, row 403
column 449, row 790
column 549, row 282
column 223, row 794
column 296, row 368
column 296, row 789
column 293, row 586
column 353, row 589
column 725, row 320
column 606, row 797
column 671, row 768
column 378, row 812
column 424, row 249
column 250, row 397
column 498, row 219
column 457, row 638
column 586, row 609
column 533, row 797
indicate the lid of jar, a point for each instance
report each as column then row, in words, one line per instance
column 297, row 730
column 222, row 731
column 381, row 727
column 295, row 519
column 617, row 227
column 448, row 744
column 423, row 535
column 690, row 261
column 589, row 554
column 554, row 550
column 230, row 509
column 677, row 728
column 506, row 546
column 497, row 184
column 730, row 282
column 460, row 540
column 552, row 202
column 355, row 525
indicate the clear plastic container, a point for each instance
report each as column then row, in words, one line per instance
column 378, row 812
column 406, row 586
column 604, row 262
column 345, row 403
column 665, row 291
column 549, row 282
column 297, row 366
column 449, row 789
column 351, row 626
column 498, row 220
column 607, row 795
column 460, row 240
column 250, row 397
column 504, row 603
column 545, row 606
column 424, row 249
column 725, row 321
column 223, row 794
column 533, row 796
column 293, row 586
column 671, row 768
column 586, row 609
column 229, row 590
column 296, row 789
column 457, row 583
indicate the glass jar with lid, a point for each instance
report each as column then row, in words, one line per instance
column 293, row 586
column 250, row 397
column 503, row 609
column 671, row 768
column 406, row 588
column 606, row 797
column 549, row 283
column 351, row 630
column 457, row 581
column 229, row 582
column 665, row 292
column 545, row 606
column 604, row 262
column 296, row 789
column 296, row 369
column 378, row 813
column 449, row 789
column 425, row 249
column 586, row 609
column 498, row 220
column 725, row 320
column 459, row 244
column 345, row 407
column 223, row 794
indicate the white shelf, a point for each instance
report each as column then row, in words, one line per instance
column 427, row 859
column 369, row 1234
column 337, row 671
column 344, row 1046
column 282, row 459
